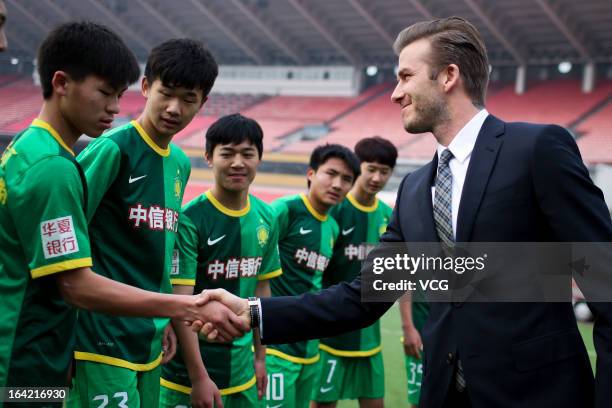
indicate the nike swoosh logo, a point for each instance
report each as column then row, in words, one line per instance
column 324, row 390
column 412, row 391
column 131, row 180
column 214, row 241
column 304, row 232
column 274, row 406
column 348, row 231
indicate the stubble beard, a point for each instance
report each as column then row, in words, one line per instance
column 430, row 112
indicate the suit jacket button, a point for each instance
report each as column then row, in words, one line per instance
column 450, row 359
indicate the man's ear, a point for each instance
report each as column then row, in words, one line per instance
column 450, row 77
column 144, row 87
column 60, row 83
column 310, row 174
column 208, row 159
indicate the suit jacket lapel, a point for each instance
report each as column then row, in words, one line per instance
column 425, row 204
column 481, row 165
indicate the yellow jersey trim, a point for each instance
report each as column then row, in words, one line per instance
column 345, row 353
column 298, row 360
column 225, row 210
column 270, row 275
column 99, row 358
column 44, row 125
column 310, row 208
column 60, row 267
column 147, row 139
column 185, row 282
column 174, row 386
column 239, row 388
column 224, row 391
column 362, row 207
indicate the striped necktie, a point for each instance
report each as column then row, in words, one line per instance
column 443, row 216
column 443, row 208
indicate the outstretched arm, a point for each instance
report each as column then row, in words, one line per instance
column 336, row 310
column 86, row 289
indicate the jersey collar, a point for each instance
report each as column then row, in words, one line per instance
column 362, row 207
column 311, row 210
column 147, row 139
column 44, row 125
column 224, row 209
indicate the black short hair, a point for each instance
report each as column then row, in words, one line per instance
column 84, row 48
column 376, row 149
column 184, row 63
column 234, row 129
column 323, row 153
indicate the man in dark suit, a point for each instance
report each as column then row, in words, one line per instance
column 490, row 181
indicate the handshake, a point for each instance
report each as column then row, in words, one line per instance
column 219, row 316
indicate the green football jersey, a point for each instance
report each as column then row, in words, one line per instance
column 222, row 248
column 359, row 225
column 420, row 309
column 43, row 231
column 305, row 243
column 135, row 190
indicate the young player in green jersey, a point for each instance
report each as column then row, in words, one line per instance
column 414, row 311
column 306, row 241
column 227, row 239
column 351, row 364
column 45, row 256
column 136, row 178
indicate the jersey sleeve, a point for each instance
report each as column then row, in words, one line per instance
column 271, row 267
column 100, row 162
column 47, row 209
column 185, row 254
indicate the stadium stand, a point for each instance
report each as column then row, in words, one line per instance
column 555, row 101
column 20, row 99
column 348, row 119
column 193, row 134
column 225, row 104
column 596, row 144
column 132, row 104
column 8, row 79
column 282, row 115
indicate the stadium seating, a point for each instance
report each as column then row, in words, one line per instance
column 131, row 104
column 352, row 118
column 558, row 101
column 7, row 79
column 596, row 144
column 20, row 100
column 193, row 134
column 224, row 104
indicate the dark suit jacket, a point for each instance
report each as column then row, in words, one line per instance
column 525, row 183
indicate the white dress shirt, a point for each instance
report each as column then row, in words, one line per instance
column 461, row 147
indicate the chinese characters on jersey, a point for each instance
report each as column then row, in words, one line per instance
column 156, row 217
column 58, row 237
column 234, row 268
column 311, row 259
